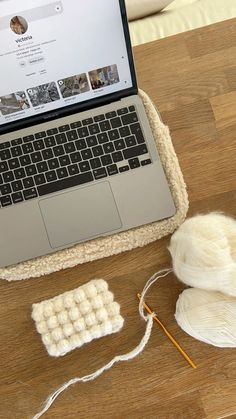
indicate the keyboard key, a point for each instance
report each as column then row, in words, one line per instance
column 61, row 138
column 129, row 118
column 16, row 151
column 75, row 157
column 87, row 121
column 124, row 131
column 114, row 134
column 105, row 125
column 86, row 154
column 27, row 148
column 17, row 141
column 3, row 166
column 102, row 138
column 28, row 182
column 62, row 172
column 117, row 156
column 116, row 122
column 123, row 169
column 72, row 135
column 41, row 134
column 130, row 141
column 94, row 129
column 25, row 160
column 8, row 177
column 39, row 179
column 76, row 124
column 64, row 160
column 131, row 108
column 53, row 164
column 17, row 197
column 51, row 176
column 36, row 157
column 119, row 144
column 106, row 160
column 73, row 169
column 31, row 170
column 122, row 111
column 5, row 201
column 65, row 183
column 108, row 148
column 47, row 154
column 80, row 144
column 145, row 162
column 137, row 131
column 5, row 154
column 64, row 128
column 91, row 141
column 112, row 170
column 111, row 114
column 4, row 145
column 100, row 173
column 95, row 163
column 133, row 163
column 30, row 193
column 52, row 131
column 135, row 151
column 84, row 166
column 50, row 142
column 69, row 147
column 17, row 186
column 14, row 163
column 5, row 189
column 99, row 118
column 38, row 145
column 97, row 151
column 19, row 173
column 42, row 167
column 58, row 150
column 83, row 132
column 28, row 138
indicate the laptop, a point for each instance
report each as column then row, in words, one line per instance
column 77, row 156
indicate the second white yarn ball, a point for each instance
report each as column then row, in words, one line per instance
column 203, row 252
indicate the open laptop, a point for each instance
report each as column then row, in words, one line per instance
column 77, row 155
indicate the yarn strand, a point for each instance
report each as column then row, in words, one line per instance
column 119, row 358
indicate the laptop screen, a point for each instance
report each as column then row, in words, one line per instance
column 54, row 54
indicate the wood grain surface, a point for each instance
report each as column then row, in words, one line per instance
column 191, row 77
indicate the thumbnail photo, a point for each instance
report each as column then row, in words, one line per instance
column 103, row 77
column 13, row 102
column 18, row 25
column 45, row 93
column 75, row 85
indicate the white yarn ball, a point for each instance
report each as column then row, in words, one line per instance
column 113, row 308
column 117, row 323
column 101, row 314
column 97, row 302
column 75, row 341
column 208, row 316
column 58, row 304
column 69, row 300
column 74, row 313
column 90, row 290
column 52, row 349
column 101, row 285
column 64, row 345
column 42, row 327
column 96, row 331
column 90, row 319
column 106, row 327
column 86, row 336
column 79, row 295
column 47, row 339
column 203, row 252
column 107, row 297
column 48, row 309
column 37, row 313
column 85, row 307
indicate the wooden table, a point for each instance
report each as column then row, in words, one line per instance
column 192, row 79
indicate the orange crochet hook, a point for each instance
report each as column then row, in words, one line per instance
column 172, row 339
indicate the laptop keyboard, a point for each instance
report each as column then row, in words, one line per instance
column 71, row 155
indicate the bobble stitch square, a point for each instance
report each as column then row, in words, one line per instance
column 76, row 317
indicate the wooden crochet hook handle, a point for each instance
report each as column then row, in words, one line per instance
column 168, row 334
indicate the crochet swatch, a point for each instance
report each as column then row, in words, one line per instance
column 76, row 317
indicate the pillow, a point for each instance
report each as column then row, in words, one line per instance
column 140, row 8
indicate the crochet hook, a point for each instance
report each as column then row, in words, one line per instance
column 172, row 339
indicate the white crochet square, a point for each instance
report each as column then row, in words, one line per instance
column 76, row 317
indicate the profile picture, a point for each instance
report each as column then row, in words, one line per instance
column 18, row 25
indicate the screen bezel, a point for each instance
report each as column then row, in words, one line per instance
column 88, row 104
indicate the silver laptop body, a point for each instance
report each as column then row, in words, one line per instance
column 107, row 180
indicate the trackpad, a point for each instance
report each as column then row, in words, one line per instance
column 80, row 214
